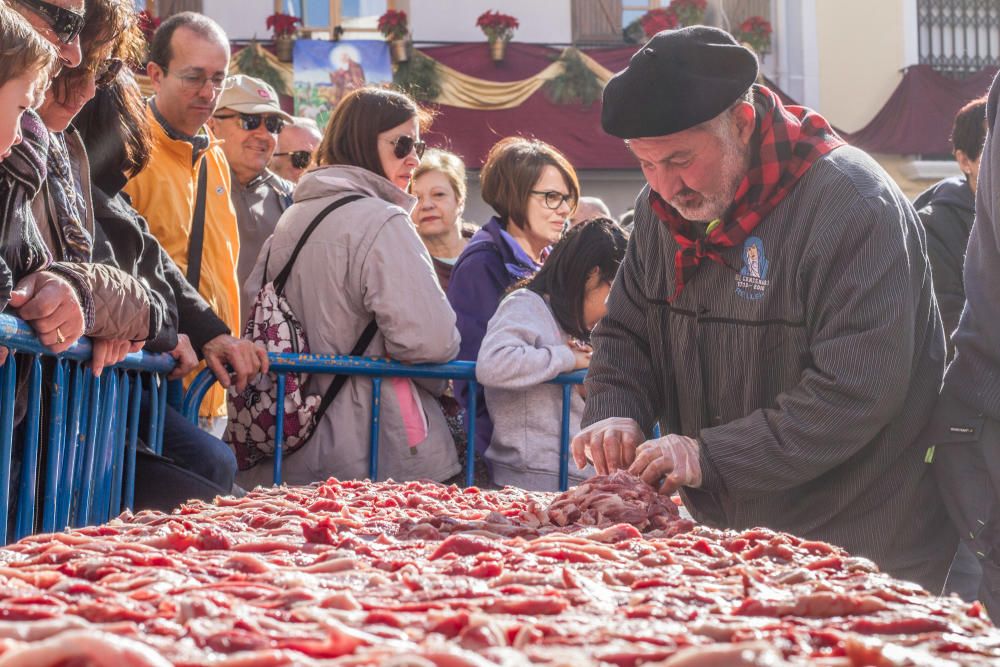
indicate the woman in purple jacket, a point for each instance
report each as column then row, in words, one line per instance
column 534, row 190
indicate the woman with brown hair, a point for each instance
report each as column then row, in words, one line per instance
column 364, row 263
column 534, row 190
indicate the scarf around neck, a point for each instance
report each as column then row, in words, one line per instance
column 70, row 205
column 787, row 142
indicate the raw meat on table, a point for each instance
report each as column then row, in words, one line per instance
column 419, row 574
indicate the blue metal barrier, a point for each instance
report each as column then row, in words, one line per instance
column 377, row 369
column 84, row 472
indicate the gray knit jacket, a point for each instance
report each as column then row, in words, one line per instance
column 524, row 347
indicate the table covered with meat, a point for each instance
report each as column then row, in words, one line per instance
column 419, row 574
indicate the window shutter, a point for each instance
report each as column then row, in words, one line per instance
column 597, row 21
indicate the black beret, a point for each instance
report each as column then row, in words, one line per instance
column 679, row 79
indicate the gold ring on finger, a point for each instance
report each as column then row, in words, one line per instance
column 59, row 337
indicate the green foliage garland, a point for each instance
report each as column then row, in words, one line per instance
column 418, row 77
column 251, row 61
column 577, row 84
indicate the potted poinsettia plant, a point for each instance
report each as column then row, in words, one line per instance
column 147, row 25
column 394, row 27
column 499, row 29
column 689, row 12
column 283, row 27
column 755, row 32
column 657, row 20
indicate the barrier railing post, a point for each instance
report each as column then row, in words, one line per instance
column 118, row 455
column 470, row 432
column 154, row 413
column 56, row 447
column 102, row 449
column 133, row 437
column 279, row 425
column 162, row 415
column 85, row 469
column 6, row 437
column 29, row 453
column 567, row 397
column 375, row 426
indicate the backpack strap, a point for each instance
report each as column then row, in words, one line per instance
column 282, row 277
column 340, row 380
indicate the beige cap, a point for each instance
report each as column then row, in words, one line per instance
column 245, row 94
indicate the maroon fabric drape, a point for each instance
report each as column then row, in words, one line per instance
column 918, row 116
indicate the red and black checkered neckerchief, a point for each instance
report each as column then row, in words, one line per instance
column 788, row 141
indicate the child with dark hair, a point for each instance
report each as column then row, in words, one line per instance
column 539, row 331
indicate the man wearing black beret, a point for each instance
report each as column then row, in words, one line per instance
column 774, row 314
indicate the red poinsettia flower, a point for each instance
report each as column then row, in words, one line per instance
column 689, row 12
column 282, row 24
column 497, row 26
column 393, row 24
column 657, row 20
column 756, row 31
column 148, row 24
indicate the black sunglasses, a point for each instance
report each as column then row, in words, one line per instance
column 107, row 71
column 66, row 24
column 300, row 159
column 405, row 144
column 251, row 121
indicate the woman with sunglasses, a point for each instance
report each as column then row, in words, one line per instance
column 533, row 189
column 64, row 209
column 365, row 263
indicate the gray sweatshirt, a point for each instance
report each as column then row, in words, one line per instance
column 974, row 376
column 524, row 347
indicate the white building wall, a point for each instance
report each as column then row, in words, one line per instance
column 241, row 19
column 542, row 21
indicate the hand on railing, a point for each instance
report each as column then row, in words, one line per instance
column 185, row 356
column 110, row 351
column 246, row 358
column 50, row 305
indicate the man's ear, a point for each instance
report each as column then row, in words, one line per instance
column 155, row 74
column 745, row 118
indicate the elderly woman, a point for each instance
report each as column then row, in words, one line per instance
column 439, row 186
column 364, row 264
column 534, row 190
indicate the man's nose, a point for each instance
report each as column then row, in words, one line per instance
column 664, row 182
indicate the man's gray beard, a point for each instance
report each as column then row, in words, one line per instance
column 734, row 165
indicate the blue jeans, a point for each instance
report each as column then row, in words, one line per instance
column 191, row 448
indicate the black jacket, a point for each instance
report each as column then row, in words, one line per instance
column 122, row 237
column 947, row 210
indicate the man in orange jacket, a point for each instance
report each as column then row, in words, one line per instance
column 184, row 191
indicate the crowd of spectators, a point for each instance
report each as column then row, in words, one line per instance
column 160, row 224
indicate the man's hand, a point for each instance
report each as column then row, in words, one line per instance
column 50, row 305
column 610, row 444
column 668, row 463
column 185, row 356
column 110, row 351
column 246, row 358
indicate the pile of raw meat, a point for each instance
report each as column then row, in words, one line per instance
column 420, row 575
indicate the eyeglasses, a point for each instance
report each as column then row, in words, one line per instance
column 251, row 121
column 107, row 71
column 65, row 23
column 405, row 145
column 300, row 159
column 553, row 199
column 195, row 82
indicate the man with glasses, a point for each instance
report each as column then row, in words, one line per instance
column 184, row 191
column 248, row 122
column 296, row 145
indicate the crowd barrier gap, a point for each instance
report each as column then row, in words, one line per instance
column 70, row 460
column 377, row 370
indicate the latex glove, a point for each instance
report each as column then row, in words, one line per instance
column 609, row 443
column 671, row 462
